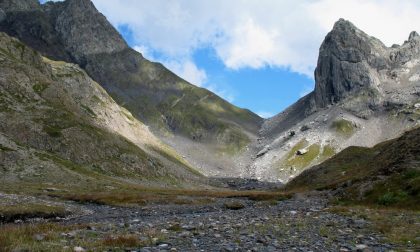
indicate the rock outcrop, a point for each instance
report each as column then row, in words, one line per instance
column 364, row 93
column 347, row 59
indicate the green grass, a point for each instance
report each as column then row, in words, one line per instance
column 400, row 190
column 88, row 110
column 356, row 171
column 234, row 205
column 327, row 152
column 40, row 87
column 400, row 227
column 343, row 127
column 300, row 161
column 175, row 158
column 53, row 131
column 9, row 213
column 4, row 148
column 144, row 196
column 21, row 237
column 53, row 238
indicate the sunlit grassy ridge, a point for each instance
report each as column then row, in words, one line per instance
column 387, row 174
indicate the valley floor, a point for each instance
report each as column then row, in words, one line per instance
column 301, row 223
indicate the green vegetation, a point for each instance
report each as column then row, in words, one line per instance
column 40, row 87
column 398, row 227
column 400, row 190
column 232, row 141
column 88, row 110
column 327, row 152
column 122, row 241
column 9, row 213
column 49, row 237
column 300, row 161
column 174, row 157
column 356, row 169
column 52, row 131
column 4, row 148
column 343, row 127
column 144, row 196
column 234, row 205
column 22, row 237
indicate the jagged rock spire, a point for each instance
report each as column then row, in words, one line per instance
column 413, row 35
column 343, row 63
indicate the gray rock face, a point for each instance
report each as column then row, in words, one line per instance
column 20, row 5
column 364, row 93
column 83, row 30
column 344, row 63
column 2, row 15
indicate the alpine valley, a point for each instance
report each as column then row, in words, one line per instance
column 104, row 150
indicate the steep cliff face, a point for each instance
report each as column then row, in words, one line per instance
column 348, row 59
column 207, row 130
column 364, row 93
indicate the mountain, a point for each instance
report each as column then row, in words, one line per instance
column 213, row 135
column 59, row 127
column 365, row 93
column 387, row 174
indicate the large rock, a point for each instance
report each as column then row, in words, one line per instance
column 364, row 93
column 83, row 30
column 344, row 65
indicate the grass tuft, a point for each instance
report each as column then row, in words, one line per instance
column 10, row 213
column 122, row 241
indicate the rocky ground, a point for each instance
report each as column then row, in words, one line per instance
column 302, row 223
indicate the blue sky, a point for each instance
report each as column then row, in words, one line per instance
column 266, row 90
column 257, row 54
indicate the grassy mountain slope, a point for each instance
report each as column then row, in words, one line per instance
column 181, row 113
column 60, row 128
column 387, row 174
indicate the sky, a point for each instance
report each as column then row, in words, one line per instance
column 257, row 54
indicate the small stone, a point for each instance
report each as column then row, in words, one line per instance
column 185, row 234
column 361, row 246
column 39, row 237
column 163, row 246
column 228, row 248
column 78, row 249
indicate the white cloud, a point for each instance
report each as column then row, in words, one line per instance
column 257, row 33
column 187, row 70
column 145, row 51
column 265, row 114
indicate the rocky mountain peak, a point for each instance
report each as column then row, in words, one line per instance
column 84, row 30
column 413, row 36
column 344, row 62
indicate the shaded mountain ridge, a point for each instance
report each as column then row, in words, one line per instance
column 211, row 133
column 59, row 127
